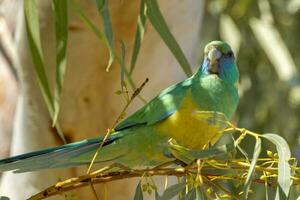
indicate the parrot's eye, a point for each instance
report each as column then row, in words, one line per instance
column 230, row 54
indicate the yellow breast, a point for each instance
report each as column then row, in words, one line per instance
column 186, row 128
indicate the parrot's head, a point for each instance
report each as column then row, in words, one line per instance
column 219, row 61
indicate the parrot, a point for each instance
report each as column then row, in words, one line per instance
column 179, row 113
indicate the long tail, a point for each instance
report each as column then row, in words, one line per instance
column 62, row 156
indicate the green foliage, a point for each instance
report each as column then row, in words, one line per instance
column 33, row 33
column 172, row 191
column 148, row 9
column 265, row 33
column 251, row 171
column 61, row 30
column 158, row 22
column 284, row 155
column 102, row 6
column 139, row 35
column 138, row 192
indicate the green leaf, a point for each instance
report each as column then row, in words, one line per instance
column 187, row 155
column 181, row 153
column 33, row 33
column 122, row 65
column 191, row 195
column 213, row 152
column 195, row 194
column 230, row 33
column 139, row 35
column 61, row 31
column 251, row 170
column 34, row 40
column 102, row 6
column 103, row 39
column 280, row 194
column 4, row 198
column 268, row 36
column 200, row 194
column 172, row 191
column 157, row 197
column 89, row 23
column 159, row 23
column 138, row 192
column 284, row 154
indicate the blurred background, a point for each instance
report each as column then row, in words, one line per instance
column 265, row 36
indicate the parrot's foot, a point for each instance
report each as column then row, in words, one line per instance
column 180, row 162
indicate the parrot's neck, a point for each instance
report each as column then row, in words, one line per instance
column 214, row 94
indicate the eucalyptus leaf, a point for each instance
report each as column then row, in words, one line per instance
column 213, row 151
column 138, row 192
column 34, row 41
column 284, row 154
column 280, row 194
column 172, row 191
column 139, row 35
column 188, row 155
column 89, row 23
column 122, row 65
column 200, row 194
column 251, row 170
column 159, row 23
column 61, row 30
column 102, row 6
column 191, row 195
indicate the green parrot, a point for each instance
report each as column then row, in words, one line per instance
column 178, row 112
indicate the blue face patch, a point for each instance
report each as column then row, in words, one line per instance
column 205, row 67
column 227, row 71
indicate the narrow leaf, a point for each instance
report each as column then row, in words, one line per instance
column 139, row 35
column 89, row 23
column 280, row 194
column 230, row 33
column 102, row 6
column 191, row 195
column 284, row 154
column 275, row 48
column 172, row 191
column 122, row 64
column 251, row 170
column 138, row 192
column 159, row 23
column 187, row 155
column 61, row 31
column 103, row 39
column 33, row 34
column 157, row 196
column 200, row 194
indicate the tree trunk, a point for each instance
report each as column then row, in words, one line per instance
column 89, row 104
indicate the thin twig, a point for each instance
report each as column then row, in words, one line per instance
column 109, row 131
column 101, row 177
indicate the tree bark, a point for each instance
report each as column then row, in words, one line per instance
column 89, row 104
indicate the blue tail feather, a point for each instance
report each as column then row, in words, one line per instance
column 53, row 157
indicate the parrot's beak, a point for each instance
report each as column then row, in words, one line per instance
column 213, row 56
